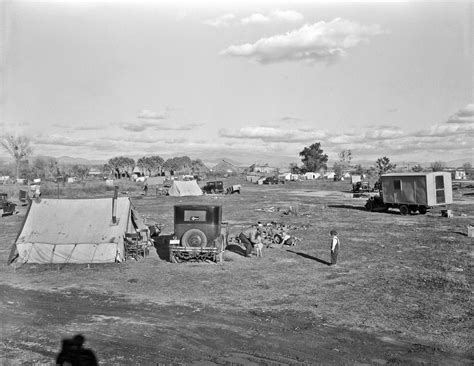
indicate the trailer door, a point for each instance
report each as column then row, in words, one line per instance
column 420, row 190
column 439, row 186
column 407, row 192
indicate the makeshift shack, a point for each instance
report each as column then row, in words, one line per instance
column 411, row 192
column 76, row 231
column 253, row 178
column 155, row 181
column 181, row 188
column 311, row 175
column 427, row 189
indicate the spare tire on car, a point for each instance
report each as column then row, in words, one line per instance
column 194, row 238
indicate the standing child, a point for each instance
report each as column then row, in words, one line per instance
column 334, row 247
column 259, row 246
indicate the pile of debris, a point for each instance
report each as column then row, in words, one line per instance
column 274, row 234
column 284, row 211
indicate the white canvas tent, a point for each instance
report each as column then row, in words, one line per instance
column 181, row 188
column 75, row 231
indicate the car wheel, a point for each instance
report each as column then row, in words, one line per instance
column 277, row 239
column 194, row 238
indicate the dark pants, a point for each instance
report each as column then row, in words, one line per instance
column 248, row 245
column 334, row 254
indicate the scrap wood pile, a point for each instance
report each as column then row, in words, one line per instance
column 136, row 246
column 284, row 211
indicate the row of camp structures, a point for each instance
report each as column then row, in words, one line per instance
column 258, row 179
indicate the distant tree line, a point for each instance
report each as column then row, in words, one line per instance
column 313, row 159
column 122, row 167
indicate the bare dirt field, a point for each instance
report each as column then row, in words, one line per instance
column 401, row 293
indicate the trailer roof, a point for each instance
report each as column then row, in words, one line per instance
column 401, row 174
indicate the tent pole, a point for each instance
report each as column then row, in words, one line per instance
column 114, row 206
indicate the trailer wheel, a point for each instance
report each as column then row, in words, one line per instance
column 194, row 238
column 404, row 210
column 422, row 210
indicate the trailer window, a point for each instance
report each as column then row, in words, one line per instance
column 397, row 184
column 439, row 184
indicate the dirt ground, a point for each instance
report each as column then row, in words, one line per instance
column 401, row 293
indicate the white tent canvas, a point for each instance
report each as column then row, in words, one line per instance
column 181, row 188
column 75, row 231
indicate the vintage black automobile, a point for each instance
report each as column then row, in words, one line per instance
column 271, row 180
column 197, row 231
column 216, row 186
column 6, row 206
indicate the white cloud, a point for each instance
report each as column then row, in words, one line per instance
column 221, row 21
column 464, row 115
column 287, row 15
column 319, row 42
column 256, row 18
column 272, row 134
column 276, row 15
column 147, row 114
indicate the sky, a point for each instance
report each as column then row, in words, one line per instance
column 251, row 81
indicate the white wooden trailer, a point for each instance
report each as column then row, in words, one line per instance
column 411, row 192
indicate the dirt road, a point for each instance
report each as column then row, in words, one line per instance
column 125, row 332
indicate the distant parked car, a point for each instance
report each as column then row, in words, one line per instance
column 361, row 186
column 214, row 187
column 233, row 189
column 270, row 180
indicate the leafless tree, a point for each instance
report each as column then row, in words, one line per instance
column 437, row 166
column 18, row 147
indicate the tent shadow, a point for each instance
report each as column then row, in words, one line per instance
column 304, row 255
column 235, row 249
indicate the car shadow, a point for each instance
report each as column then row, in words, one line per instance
column 362, row 208
column 234, row 248
column 304, row 255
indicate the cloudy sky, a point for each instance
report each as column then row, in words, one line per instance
column 250, row 81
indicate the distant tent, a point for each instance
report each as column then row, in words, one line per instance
column 75, row 231
column 184, row 188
